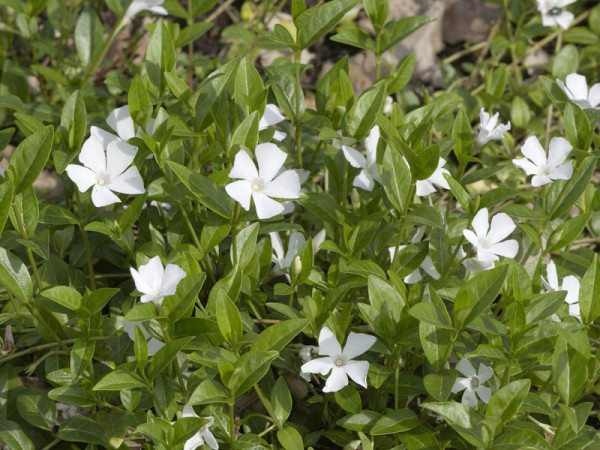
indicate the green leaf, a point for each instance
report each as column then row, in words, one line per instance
column 14, row 276
column 81, row 357
column 10, row 386
column 36, row 408
column 73, row 123
column 589, row 294
column 71, row 395
column 439, row 386
column 554, row 92
column 395, row 176
column 317, row 21
column 377, row 11
column 290, row 439
column 204, row 189
column 397, row 421
column 132, row 213
column 89, row 36
column 403, row 75
column 465, row 420
column 248, row 88
column 63, row 295
column 246, row 134
column 577, row 126
column 567, row 232
column 430, row 313
column 349, row 399
column 355, row 37
column 462, row 134
column 249, row 370
column 139, row 103
column 520, row 114
column 229, row 320
column 565, row 62
column 6, row 197
column 483, row 288
column 13, row 436
column 209, row 391
column 569, row 371
column 160, row 57
column 119, row 380
column 161, row 360
column 361, row 116
column 397, row 30
column 191, row 33
column 278, row 335
column 29, row 158
column 81, row 429
column 574, row 187
column 507, row 401
column 281, row 400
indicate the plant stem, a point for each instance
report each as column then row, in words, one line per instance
column 45, row 346
column 297, row 91
column 267, row 404
column 86, row 242
column 232, row 437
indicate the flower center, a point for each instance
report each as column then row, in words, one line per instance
column 338, row 361
column 474, row 383
column 257, row 185
column 102, row 179
column 555, row 11
column 483, row 242
column 544, row 172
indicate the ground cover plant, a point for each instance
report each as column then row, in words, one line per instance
column 246, row 255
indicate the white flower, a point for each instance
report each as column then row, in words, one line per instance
column 426, row 265
column 154, row 345
column 488, row 239
column 554, row 14
column 289, row 206
column 306, row 354
column 473, row 265
column 545, row 170
column 271, row 117
column 263, row 184
column 569, row 284
column 121, row 122
column 369, row 173
column 204, row 436
column 426, row 187
column 137, row 6
column 489, row 129
column 156, row 282
column 283, row 260
column 339, row 362
column 388, row 106
column 576, row 89
column 473, row 383
column 106, row 170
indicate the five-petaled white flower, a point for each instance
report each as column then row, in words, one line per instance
column 570, row 284
column 107, row 170
column 576, row 88
column 487, row 238
column 369, row 173
column 473, row 383
column 427, row 264
column 154, row 344
column 155, row 281
column 263, row 184
column 137, row 6
column 271, row 117
column 284, row 260
column 339, row 362
column 426, row 187
column 489, row 129
column 553, row 13
column 121, row 122
column 545, row 170
column 204, row 436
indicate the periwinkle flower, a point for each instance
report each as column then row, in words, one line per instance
column 545, row 169
column 472, row 383
column 489, row 129
column 570, row 284
column 576, row 88
column 554, row 14
column 155, row 281
column 369, row 174
column 488, row 239
column 271, row 117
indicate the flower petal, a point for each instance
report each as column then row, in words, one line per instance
column 277, row 245
column 364, row 181
column 552, row 276
column 153, row 272
column 484, row 393
column 594, row 95
column 371, row 144
column 558, row 151
column 209, row 439
column 563, row 172
column 129, row 182
column 424, row 187
column 469, row 398
column 271, row 116
column 577, row 85
column 286, row 185
column 240, row 191
column 526, row 165
column 328, row 344
column 120, row 120
column 270, row 160
column 322, row 366
column 564, row 19
column 539, row 180
column 244, row 168
column 429, row 268
column 486, row 255
column 140, row 282
column 357, row 371
column 158, row 10
column 460, row 384
column 92, row 155
column 533, row 150
column 480, row 223
column 508, row 249
column 266, row 207
column 171, row 278
column 484, row 373
column 102, row 196
column 354, row 157
column 194, row 442
column 502, row 225
column 119, row 156
column 471, row 237
column 571, row 285
column 295, row 242
column 188, row 411
column 336, row 380
column 413, row 277
column 465, row 367
column 83, row 177
column 103, row 136
column 357, row 344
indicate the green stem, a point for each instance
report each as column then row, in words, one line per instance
column 86, row 242
column 232, row 436
column 297, row 91
column 30, row 257
column 267, row 404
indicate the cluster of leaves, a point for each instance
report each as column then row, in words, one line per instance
column 230, row 341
